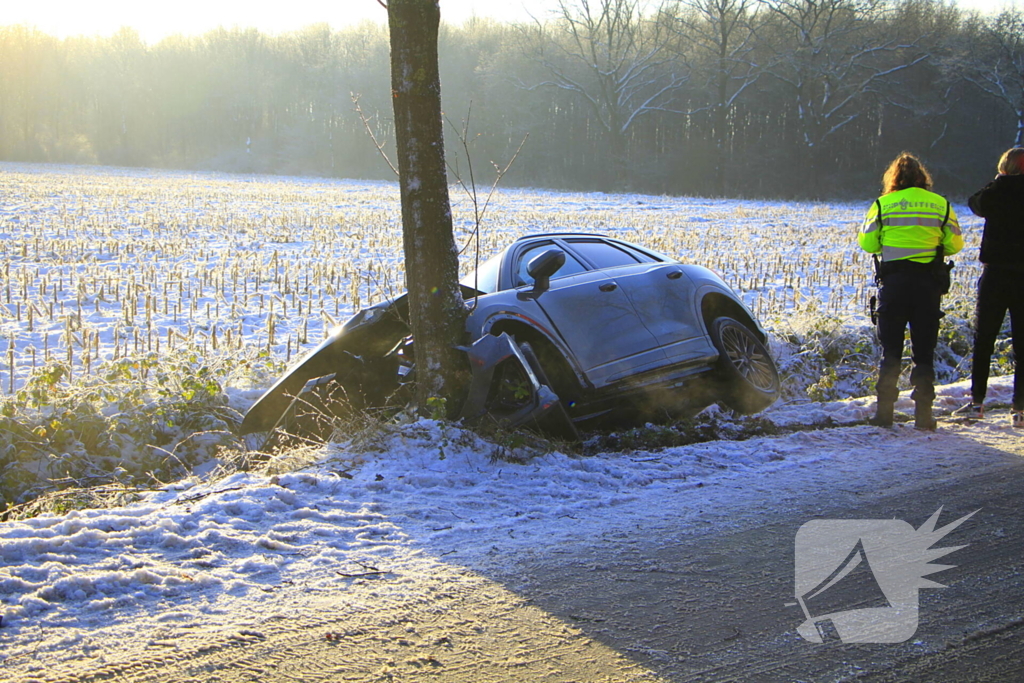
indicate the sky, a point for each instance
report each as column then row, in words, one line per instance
column 154, row 21
column 157, row 20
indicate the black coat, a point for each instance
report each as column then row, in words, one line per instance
column 1001, row 204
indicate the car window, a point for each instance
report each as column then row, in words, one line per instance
column 641, row 256
column 602, row 254
column 485, row 278
column 571, row 266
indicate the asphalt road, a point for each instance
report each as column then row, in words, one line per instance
column 719, row 605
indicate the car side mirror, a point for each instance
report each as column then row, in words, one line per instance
column 543, row 266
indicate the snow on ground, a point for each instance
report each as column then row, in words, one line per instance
column 215, row 552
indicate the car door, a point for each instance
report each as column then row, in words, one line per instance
column 595, row 318
column 660, row 292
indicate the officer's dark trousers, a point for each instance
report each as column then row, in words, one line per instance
column 999, row 290
column 908, row 297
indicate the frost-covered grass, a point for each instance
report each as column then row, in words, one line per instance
column 134, row 423
column 141, row 311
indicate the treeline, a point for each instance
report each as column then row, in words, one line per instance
column 788, row 98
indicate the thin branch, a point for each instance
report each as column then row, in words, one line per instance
column 470, row 188
column 359, row 575
column 366, row 124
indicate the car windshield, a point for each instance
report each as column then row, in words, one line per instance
column 484, row 278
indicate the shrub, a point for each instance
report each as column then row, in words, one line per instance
column 822, row 356
column 136, row 422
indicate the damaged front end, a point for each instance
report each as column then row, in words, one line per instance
column 369, row 362
column 504, row 386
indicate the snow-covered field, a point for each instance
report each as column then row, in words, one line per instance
column 130, row 293
column 98, row 262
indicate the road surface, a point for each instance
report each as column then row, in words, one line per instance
column 701, row 589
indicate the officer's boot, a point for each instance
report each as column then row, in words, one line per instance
column 923, row 395
column 923, row 418
column 883, row 414
column 888, row 376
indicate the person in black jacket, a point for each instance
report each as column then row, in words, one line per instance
column 1001, row 286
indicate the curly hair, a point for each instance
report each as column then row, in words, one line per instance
column 905, row 171
column 1012, row 161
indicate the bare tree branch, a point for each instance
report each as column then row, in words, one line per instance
column 470, row 187
column 995, row 64
column 369, row 131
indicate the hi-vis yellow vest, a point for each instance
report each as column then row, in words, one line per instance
column 912, row 223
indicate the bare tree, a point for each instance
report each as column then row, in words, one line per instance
column 995, row 64
column 615, row 58
column 723, row 35
column 436, row 309
column 831, row 55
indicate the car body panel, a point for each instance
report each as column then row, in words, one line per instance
column 664, row 299
column 593, row 315
column 360, row 348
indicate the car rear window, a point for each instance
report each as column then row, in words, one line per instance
column 605, row 255
column 641, row 256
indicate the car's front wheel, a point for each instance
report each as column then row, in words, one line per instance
column 749, row 373
column 557, row 422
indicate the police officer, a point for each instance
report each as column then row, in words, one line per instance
column 906, row 225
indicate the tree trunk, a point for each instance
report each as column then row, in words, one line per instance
column 436, row 310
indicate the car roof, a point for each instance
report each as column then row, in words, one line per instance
column 541, row 235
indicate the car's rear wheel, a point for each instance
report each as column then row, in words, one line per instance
column 745, row 365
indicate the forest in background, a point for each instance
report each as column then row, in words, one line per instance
column 750, row 98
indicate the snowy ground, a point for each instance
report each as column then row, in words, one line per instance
column 93, row 587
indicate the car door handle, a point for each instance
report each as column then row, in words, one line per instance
column 675, row 275
column 608, row 287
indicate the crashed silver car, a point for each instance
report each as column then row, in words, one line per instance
column 564, row 330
